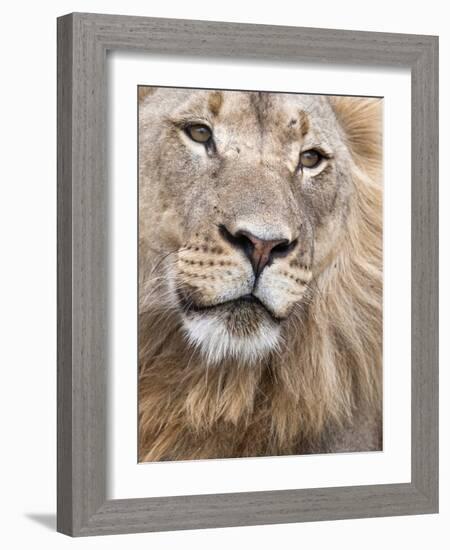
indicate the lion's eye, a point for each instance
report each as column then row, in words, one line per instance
column 199, row 133
column 310, row 159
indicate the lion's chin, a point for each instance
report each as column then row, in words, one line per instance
column 225, row 336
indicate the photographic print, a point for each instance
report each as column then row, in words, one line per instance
column 260, row 274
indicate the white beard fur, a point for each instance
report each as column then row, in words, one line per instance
column 211, row 337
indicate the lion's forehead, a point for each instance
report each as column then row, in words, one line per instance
column 251, row 114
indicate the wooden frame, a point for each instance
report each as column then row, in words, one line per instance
column 83, row 40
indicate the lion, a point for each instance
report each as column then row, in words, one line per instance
column 260, row 274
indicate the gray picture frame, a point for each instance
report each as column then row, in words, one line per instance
column 83, row 42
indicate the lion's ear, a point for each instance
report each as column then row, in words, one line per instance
column 361, row 119
column 145, row 91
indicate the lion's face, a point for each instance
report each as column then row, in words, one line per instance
column 243, row 201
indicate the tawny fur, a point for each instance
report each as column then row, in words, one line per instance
column 320, row 393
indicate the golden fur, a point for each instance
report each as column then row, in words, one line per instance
column 320, row 389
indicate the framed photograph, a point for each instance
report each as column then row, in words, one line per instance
column 247, row 274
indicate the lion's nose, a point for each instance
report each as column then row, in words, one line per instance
column 260, row 252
